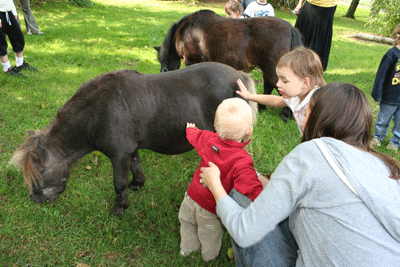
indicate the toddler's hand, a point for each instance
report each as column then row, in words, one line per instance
column 188, row 124
column 243, row 90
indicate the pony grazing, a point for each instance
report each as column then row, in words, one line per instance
column 241, row 43
column 118, row 113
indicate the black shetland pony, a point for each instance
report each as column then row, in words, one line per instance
column 241, row 43
column 119, row 113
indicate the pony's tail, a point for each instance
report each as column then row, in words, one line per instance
column 296, row 39
column 249, row 83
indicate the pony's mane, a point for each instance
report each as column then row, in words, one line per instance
column 25, row 154
column 168, row 46
column 168, row 43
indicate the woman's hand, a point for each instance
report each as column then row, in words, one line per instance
column 210, row 177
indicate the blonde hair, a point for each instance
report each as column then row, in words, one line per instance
column 233, row 6
column 396, row 35
column 233, row 119
column 304, row 63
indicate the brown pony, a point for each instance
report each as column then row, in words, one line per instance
column 241, row 43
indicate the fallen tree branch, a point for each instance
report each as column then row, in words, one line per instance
column 373, row 38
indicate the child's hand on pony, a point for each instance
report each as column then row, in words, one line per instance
column 243, row 90
column 188, row 124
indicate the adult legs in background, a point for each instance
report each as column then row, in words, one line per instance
column 10, row 28
column 30, row 22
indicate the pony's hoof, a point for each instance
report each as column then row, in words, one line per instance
column 134, row 188
column 118, row 211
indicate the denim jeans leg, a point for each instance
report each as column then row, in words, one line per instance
column 278, row 248
column 382, row 123
column 395, row 139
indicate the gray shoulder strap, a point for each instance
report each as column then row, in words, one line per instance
column 325, row 151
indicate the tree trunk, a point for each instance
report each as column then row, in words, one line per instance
column 352, row 9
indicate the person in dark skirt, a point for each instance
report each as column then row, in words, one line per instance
column 315, row 23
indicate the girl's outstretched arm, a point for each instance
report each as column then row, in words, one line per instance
column 268, row 100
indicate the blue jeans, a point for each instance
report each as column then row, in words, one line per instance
column 278, row 248
column 386, row 112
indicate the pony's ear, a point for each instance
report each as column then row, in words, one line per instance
column 31, row 133
column 157, row 48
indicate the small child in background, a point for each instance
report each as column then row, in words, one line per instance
column 386, row 90
column 233, row 9
column 200, row 226
column 246, row 3
column 259, row 8
column 300, row 74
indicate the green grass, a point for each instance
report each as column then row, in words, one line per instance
column 78, row 45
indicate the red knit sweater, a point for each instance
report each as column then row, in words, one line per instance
column 235, row 164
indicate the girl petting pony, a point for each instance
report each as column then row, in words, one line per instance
column 300, row 75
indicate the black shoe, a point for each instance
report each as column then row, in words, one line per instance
column 13, row 72
column 25, row 66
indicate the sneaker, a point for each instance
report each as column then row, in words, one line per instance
column 375, row 141
column 391, row 146
column 25, row 66
column 184, row 253
column 12, row 72
column 30, row 33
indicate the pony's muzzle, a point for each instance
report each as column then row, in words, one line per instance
column 46, row 195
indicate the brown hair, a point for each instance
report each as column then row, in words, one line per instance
column 396, row 35
column 342, row 111
column 233, row 6
column 304, row 62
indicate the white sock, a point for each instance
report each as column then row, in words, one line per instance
column 19, row 61
column 6, row 66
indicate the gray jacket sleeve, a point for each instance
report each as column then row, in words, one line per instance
column 277, row 201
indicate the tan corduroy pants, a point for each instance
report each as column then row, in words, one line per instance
column 200, row 229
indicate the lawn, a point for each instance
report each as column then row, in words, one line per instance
column 81, row 43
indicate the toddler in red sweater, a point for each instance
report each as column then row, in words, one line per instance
column 200, row 226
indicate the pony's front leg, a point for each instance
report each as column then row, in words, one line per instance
column 138, row 177
column 121, row 180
